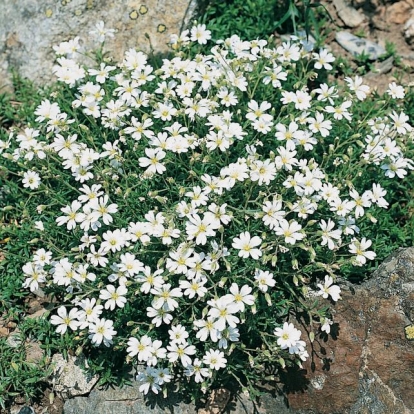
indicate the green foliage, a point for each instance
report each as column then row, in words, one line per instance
column 254, row 19
column 249, row 19
column 20, row 377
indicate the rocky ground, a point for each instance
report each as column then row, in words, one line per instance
column 382, row 22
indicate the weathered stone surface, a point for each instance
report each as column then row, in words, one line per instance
column 69, row 379
column 125, row 400
column 29, row 29
column 128, row 400
column 409, row 28
column 350, row 16
column 356, row 45
column 367, row 366
column 34, row 353
column 398, row 12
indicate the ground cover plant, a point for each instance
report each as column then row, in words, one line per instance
column 180, row 216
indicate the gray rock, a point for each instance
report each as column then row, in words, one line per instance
column 350, row 16
column 15, row 339
column 30, row 28
column 356, row 45
column 68, row 378
column 27, row 410
column 409, row 28
column 34, row 353
column 381, row 67
column 125, row 400
column 129, row 400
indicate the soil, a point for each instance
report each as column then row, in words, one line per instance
column 383, row 23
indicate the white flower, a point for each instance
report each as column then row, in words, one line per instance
column 290, row 231
column 114, row 241
column 286, row 159
column 326, row 325
column 101, row 32
column 288, row 336
column 206, row 329
column 114, row 297
column 178, row 334
column 159, row 316
column 341, row 111
column 323, row 59
column 195, row 287
column 39, row 225
column 65, row 320
column 359, row 248
column 141, row 348
column 196, row 369
column 377, row 195
column 396, row 167
column 42, row 257
column 395, row 91
column 263, row 171
column 400, row 122
column 152, row 160
column 35, row 275
column 101, row 331
column 241, row 296
column 247, row 245
column 31, row 179
column 264, row 279
column 274, row 213
column 181, row 351
column 257, row 112
column 229, row 334
column 90, row 312
column 329, row 289
column 72, row 215
column 150, row 279
column 157, row 352
column 101, row 210
column 329, row 235
column 148, row 381
column 162, row 376
column 130, row 264
column 222, row 311
column 356, row 85
column 302, row 100
column 360, row 202
column 215, row 359
column 319, row 124
column 200, row 34
column 165, row 297
column 200, row 229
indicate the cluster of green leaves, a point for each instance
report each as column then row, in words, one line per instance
column 19, row 375
column 249, row 19
column 252, row 19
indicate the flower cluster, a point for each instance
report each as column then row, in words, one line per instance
column 195, row 199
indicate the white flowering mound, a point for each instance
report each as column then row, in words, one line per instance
column 185, row 212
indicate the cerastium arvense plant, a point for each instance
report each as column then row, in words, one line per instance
column 183, row 215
